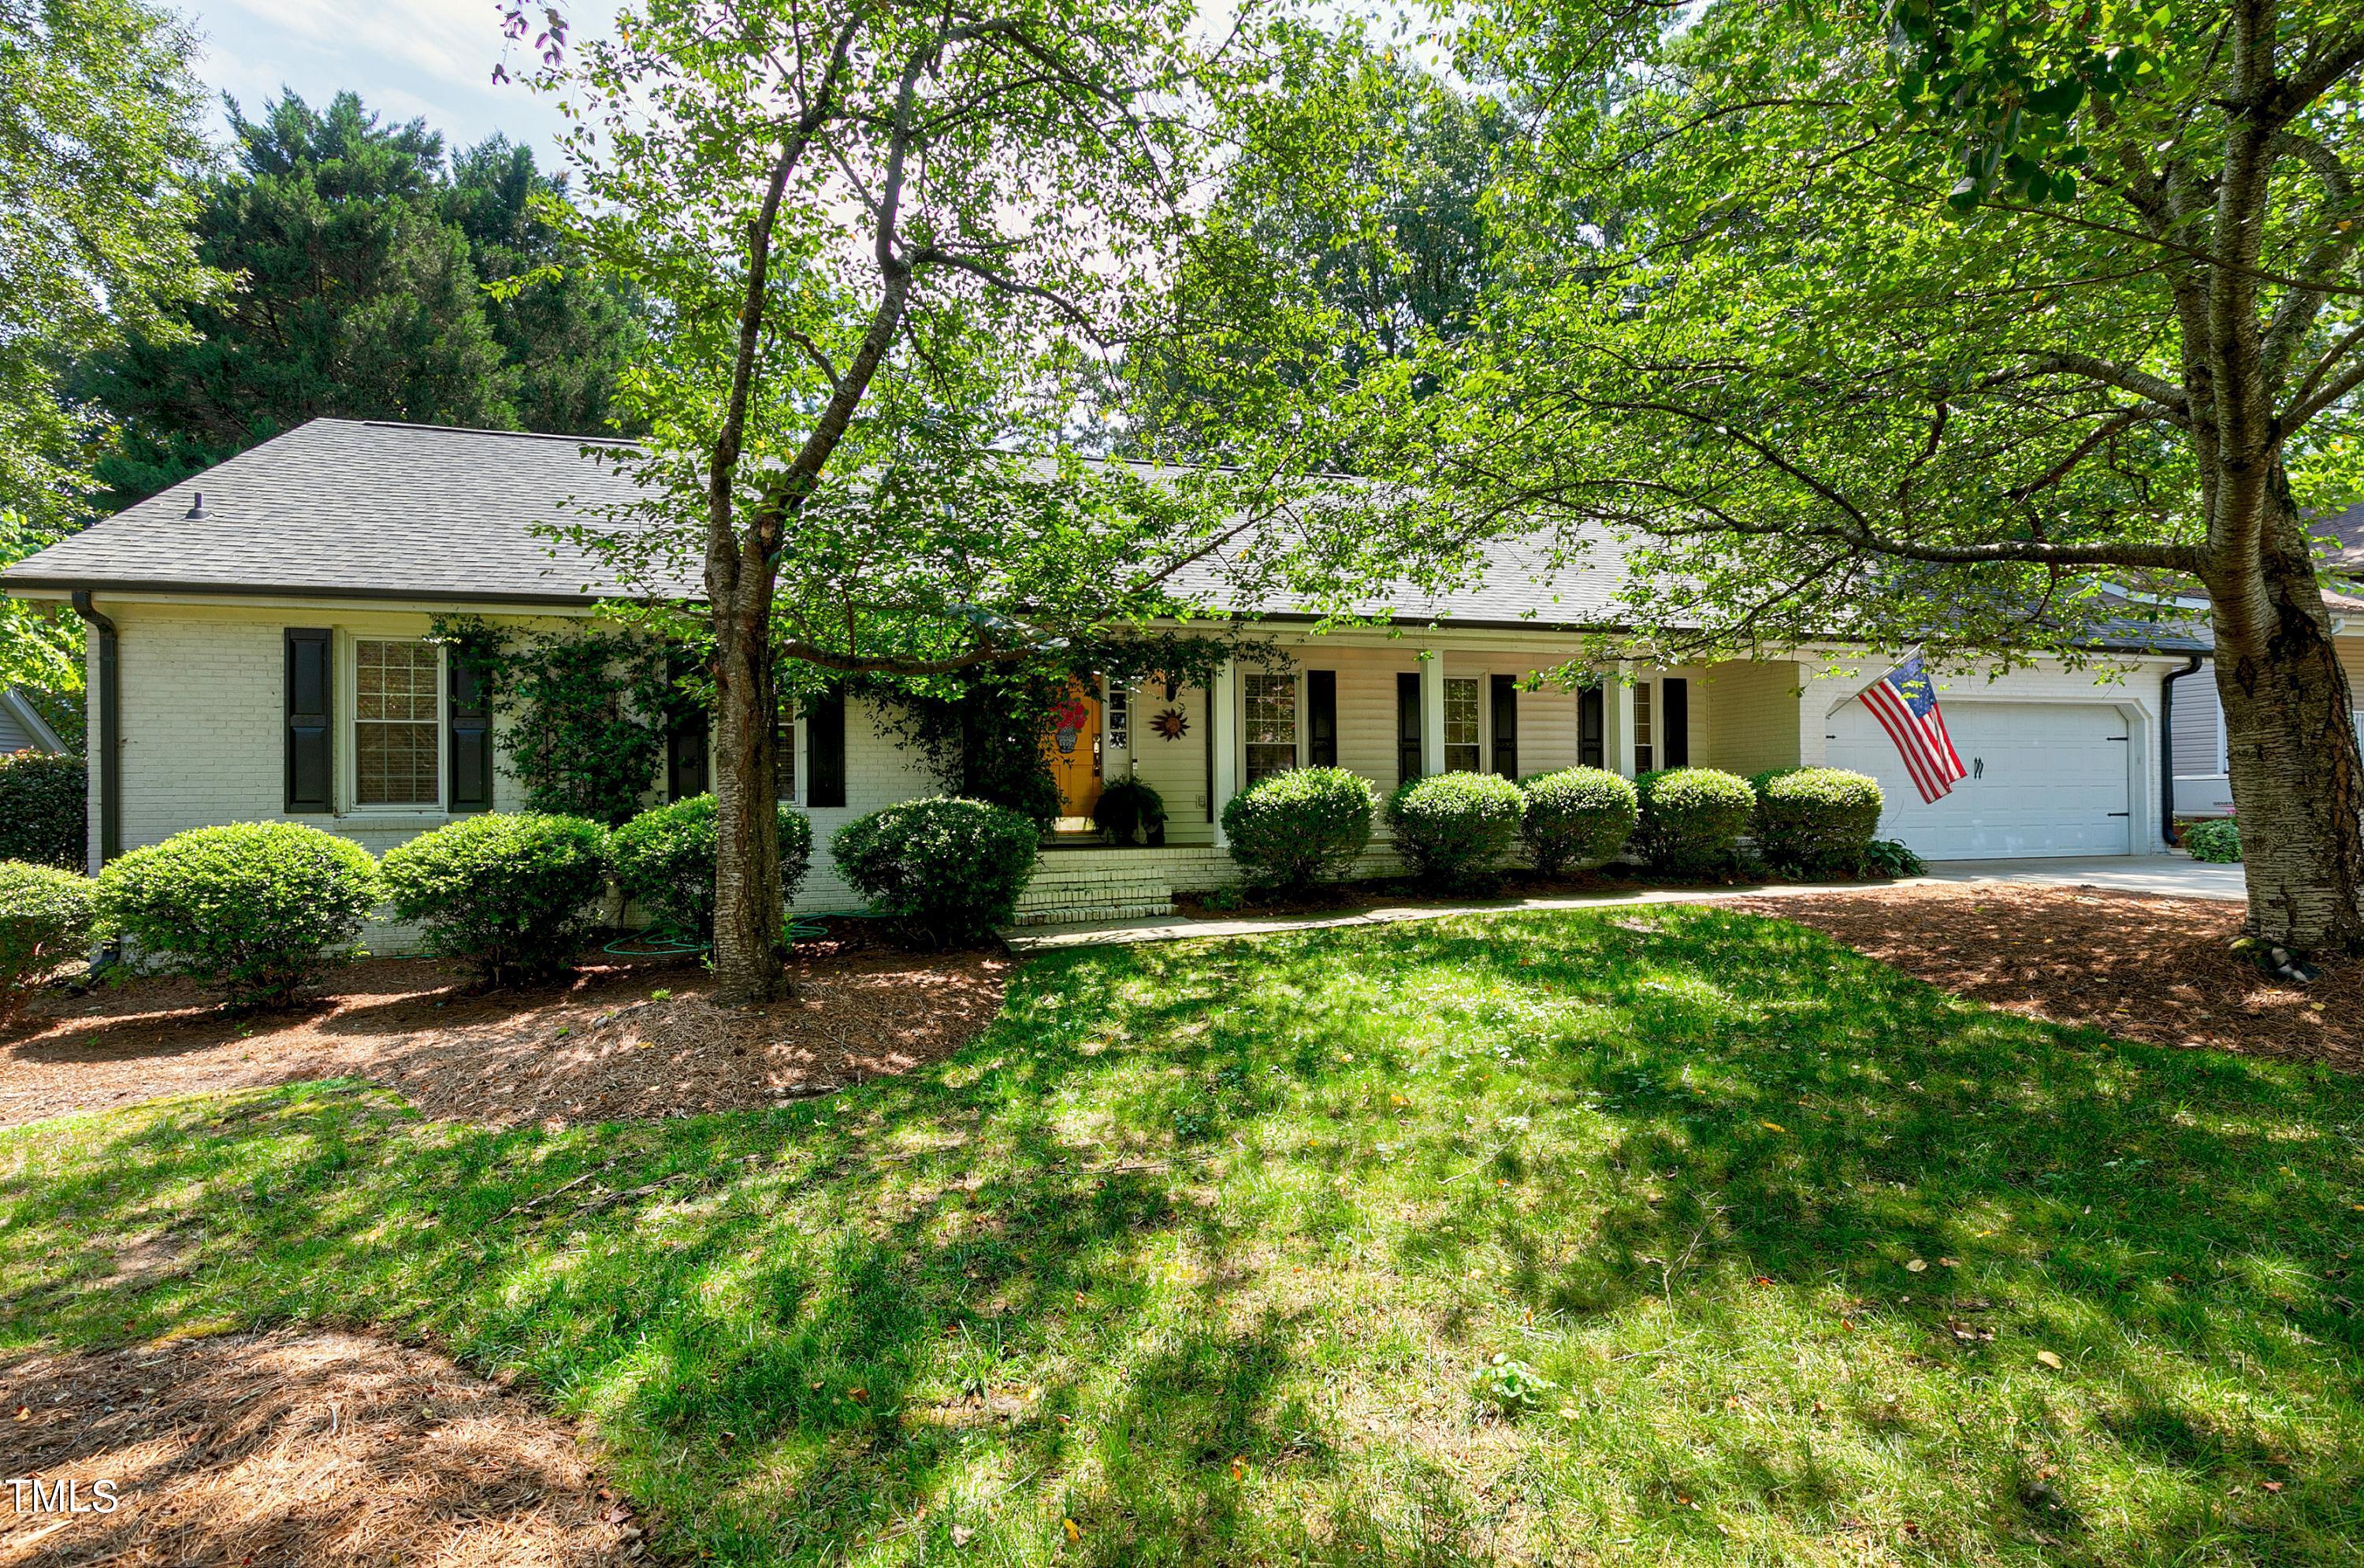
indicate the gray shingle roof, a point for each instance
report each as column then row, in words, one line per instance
column 357, row 508
column 373, row 509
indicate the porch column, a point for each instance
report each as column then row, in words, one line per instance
column 1617, row 712
column 1432, row 713
column 1223, row 736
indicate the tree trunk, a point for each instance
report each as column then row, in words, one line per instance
column 2297, row 777
column 750, row 923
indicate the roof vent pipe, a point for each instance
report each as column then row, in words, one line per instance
column 197, row 513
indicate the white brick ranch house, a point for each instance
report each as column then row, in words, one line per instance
column 233, row 641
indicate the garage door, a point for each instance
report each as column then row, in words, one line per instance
column 2045, row 779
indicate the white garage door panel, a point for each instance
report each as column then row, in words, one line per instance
column 2046, row 778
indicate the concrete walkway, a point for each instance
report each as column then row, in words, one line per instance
column 2172, row 875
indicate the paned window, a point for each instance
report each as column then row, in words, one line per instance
column 1116, row 718
column 1645, row 729
column 1463, row 752
column 1271, row 724
column 396, row 723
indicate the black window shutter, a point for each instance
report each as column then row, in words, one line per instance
column 825, row 750
column 311, row 750
column 468, row 723
column 1675, row 722
column 1321, row 718
column 1591, row 728
column 1407, row 728
column 1506, row 725
column 685, row 732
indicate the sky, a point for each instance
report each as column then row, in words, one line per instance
column 408, row 59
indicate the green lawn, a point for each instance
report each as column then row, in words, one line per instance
column 1201, row 1246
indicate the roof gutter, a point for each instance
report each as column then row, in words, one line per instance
column 2167, row 748
column 110, row 730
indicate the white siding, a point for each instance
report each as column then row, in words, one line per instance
column 1755, row 715
column 2199, row 720
column 1175, row 769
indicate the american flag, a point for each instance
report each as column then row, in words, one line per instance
column 1905, row 702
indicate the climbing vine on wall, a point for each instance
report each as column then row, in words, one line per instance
column 585, row 712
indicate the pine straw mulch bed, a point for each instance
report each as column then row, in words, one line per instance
column 598, row 1046
column 291, row 1449
column 2137, row 966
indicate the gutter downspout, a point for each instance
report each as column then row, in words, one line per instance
column 2167, row 748
column 110, row 730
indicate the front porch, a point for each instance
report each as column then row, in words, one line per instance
column 1388, row 708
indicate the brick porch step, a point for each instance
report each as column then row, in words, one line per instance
column 1058, row 897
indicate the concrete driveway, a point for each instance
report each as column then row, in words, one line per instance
column 2173, row 876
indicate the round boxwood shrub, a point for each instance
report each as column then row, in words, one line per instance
column 46, row 915
column 254, row 911
column 2217, row 840
column 1301, row 827
column 509, row 893
column 1454, row 829
column 943, row 871
column 1576, row 816
column 664, row 858
column 1691, row 818
column 42, row 808
column 1816, row 821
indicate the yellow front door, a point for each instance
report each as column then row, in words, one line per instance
column 1074, row 749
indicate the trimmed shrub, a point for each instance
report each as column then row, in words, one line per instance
column 43, row 806
column 1886, row 856
column 510, row 894
column 1691, row 818
column 46, row 916
column 1301, row 827
column 2217, row 840
column 664, row 858
column 1125, row 806
column 255, row 911
column 1576, row 816
column 1454, row 829
column 1816, row 821
column 943, row 871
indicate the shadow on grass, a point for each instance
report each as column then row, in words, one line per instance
column 1198, row 1247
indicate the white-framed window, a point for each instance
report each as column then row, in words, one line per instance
column 1464, row 726
column 1645, row 727
column 398, row 748
column 1115, row 718
column 784, row 755
column 1271, row 724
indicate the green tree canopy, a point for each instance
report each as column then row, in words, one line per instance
column 98, row 143
column 894, row 253
column 1928, row 323
column 362, row 263
column 1361, row 189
